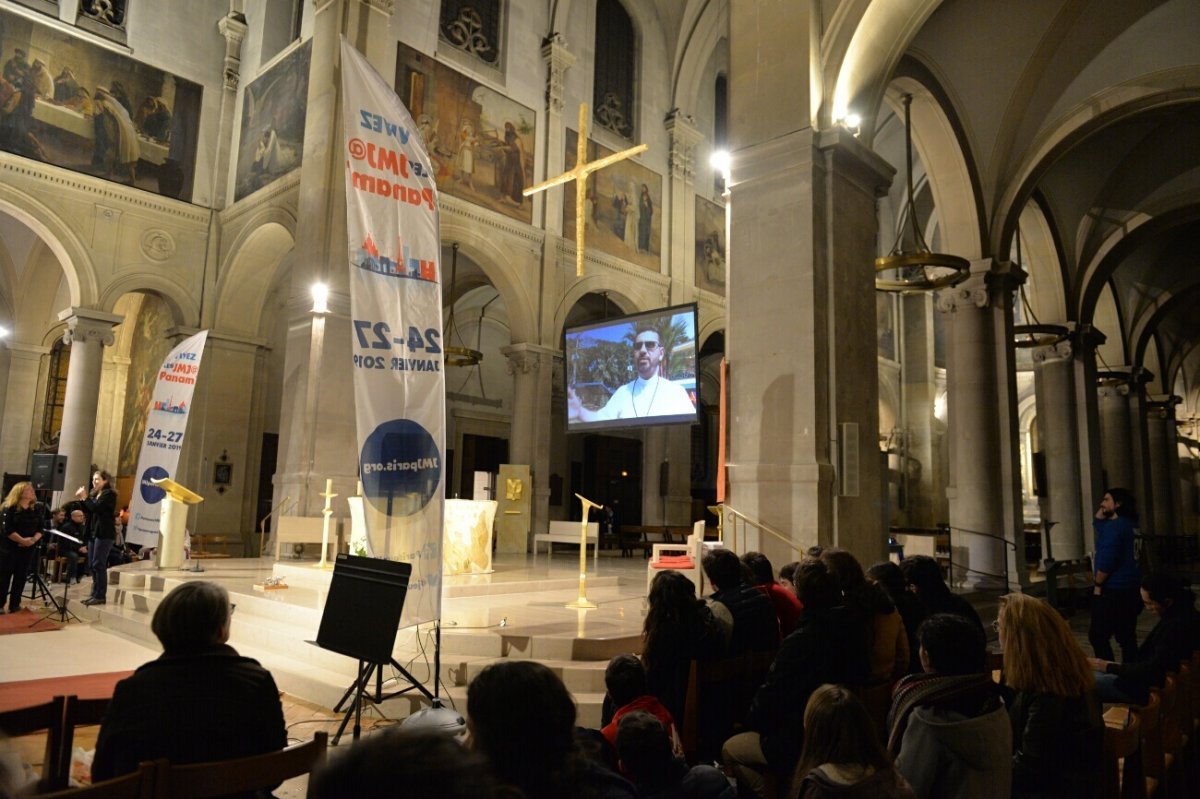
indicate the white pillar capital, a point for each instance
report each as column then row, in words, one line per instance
column 89, row 324
column 1061, row 352
column 558, row 59
column 684, row 137
column 526, row 358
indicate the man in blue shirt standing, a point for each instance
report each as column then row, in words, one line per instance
column 1116, row 601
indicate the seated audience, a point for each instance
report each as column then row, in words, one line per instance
column 1057, row 730
column 76, row 526
column 885, row 628
column 923, row 575
column 787, row 607
column 887, row 575
column 678, row 629
column 396, row 763
column 950, row 732
column 199, row 701
column 755, row 628
column 521, row 718
column 827, row 646
column 625, row 679
column 842, row 755
column 1173, row 638
column 787, row 573
column 644, row 752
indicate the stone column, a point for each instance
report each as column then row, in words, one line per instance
column 1142, row 484
column 1054, row 380
column 918, row 388
column 233, row 27
column 984, row 490
column 558, row 60
column 532, row 370
column 89, row 331
column 680, row 234
column 1087, row 415
column 1116, row 433
column 804, row 456
column 18, row 399
column 1164, row 463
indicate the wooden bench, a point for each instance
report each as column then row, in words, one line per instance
column 568, row 533
column 307, row 530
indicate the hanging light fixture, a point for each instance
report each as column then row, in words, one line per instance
column 1033, row 335
column 918, row 269
column 453, row 355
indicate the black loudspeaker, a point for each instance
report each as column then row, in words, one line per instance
column 362, row 611
column 49, row 472
column 664, row 478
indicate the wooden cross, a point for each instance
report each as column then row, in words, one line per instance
column 579, row 174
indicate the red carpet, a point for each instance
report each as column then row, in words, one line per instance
column 14, row 623
column 33, row 692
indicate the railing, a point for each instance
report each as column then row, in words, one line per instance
column 738, row 516
column 262, row 529
column 994, row 537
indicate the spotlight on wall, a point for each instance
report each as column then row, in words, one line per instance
column 320, row 295
column 852, row 122
column 720, row 162
column 3, row 331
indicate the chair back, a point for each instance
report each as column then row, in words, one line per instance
column 1171, row 716
column 47, row 716
column 1152, row 744
column 1121, row 744
column 713, row 704
column 205, row 780
column 137, row 785
column 1189, row 672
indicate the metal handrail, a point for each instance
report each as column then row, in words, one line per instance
column 1007, row 577
column 763, row 526
column 262, row 524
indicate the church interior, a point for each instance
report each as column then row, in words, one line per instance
column 937, row 252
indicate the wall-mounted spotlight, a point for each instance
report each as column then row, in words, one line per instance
column 320, row 295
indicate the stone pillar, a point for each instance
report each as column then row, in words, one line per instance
column 984, row 490
column 680, row 203
column 532, row 370
column 1054, row 380
column 1164, row 463
column 318, row 437
column 1087, row 416
column 804, row 456
column 17, row 405
column 233, row 27
column 1142, row 484
column 918, row 386
column 1116, row 434
column 89, row 331
column 558, row 60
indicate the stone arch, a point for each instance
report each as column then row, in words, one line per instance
column 243, row 284
column 717, row 323
column 608, row 283
column 696, row 47
column 1146, row 325
column 67, row 246
column 1042, row 258
column 502, row 268
column 184, row 308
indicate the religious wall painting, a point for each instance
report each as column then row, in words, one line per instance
column 148, row 346
column 710, row 246
column 623, row 210
column 70, row 103
column 274, row 109
column 480, row 142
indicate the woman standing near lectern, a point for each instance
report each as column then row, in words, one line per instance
column 100, row 504
column 23, row 518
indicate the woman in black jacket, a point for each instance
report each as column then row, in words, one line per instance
column 100, row 504
column 22, row 521
column 1172, row 639
column 1057, row 730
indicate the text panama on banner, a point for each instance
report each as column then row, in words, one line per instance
column 166, row 423
column 396, row 317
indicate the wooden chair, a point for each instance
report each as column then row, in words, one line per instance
column 138, row 785
column 1152, row 743
column 46, row 717
column 709, row 709
column 1122, row 760
column 1172, row 735
column 204, row 780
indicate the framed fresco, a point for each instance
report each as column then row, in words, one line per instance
column 480, row 142
column 273, row 115
column 70, row 103
column 710, row 246
column 624, row 213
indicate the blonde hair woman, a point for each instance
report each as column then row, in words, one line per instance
column 1058, row 733
column 22, row 519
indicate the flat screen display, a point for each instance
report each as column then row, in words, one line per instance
column 632, row 371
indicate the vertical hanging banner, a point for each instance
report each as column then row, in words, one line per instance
column 396, row 316
column 166, row 422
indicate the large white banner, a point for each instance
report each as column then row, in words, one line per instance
column 166, row 423
column 396, row 311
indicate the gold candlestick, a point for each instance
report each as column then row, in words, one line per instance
column 327, row 512
column 582, row 601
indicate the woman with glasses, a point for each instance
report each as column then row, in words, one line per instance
column 1057, row 731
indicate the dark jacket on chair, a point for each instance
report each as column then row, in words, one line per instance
column 755, row 625
column 1057, row 742
column 1172, row 640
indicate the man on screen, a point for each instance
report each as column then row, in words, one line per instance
column 648, row 394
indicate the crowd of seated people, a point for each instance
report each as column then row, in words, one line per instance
column 951, row 728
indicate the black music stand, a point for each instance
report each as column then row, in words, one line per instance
column 65, row 615
column 360, row 620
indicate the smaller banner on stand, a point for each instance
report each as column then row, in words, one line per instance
column 166, row 423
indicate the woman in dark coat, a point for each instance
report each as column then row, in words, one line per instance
column 100, row 504
column 22, row 520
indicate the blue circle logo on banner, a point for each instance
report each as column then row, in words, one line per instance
column 401, row 467
column 150, row 492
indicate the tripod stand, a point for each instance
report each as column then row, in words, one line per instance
column 361, row 692
column 37, row 586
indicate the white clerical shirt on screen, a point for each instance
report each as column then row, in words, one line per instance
column 640, row 398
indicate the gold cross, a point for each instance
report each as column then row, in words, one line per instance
column 579, row 174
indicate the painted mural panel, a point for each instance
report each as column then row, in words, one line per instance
column 75, row 105
column 148, row 347
column 710, row 246
column 624, row 207
column 273, row 112
column 480, row 142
